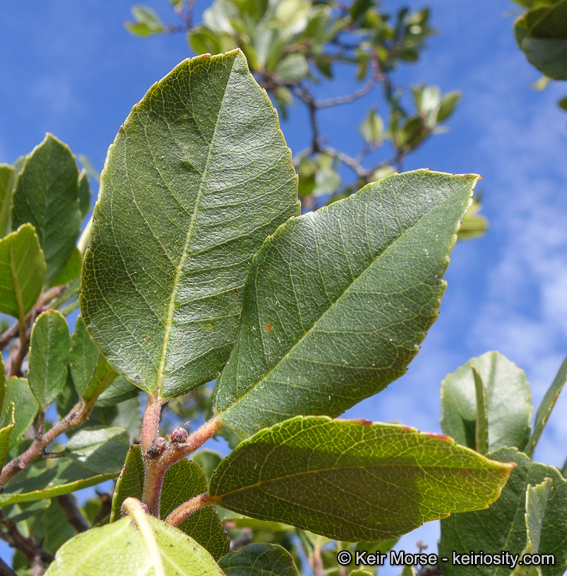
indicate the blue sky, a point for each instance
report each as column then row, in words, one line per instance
column 70, row 68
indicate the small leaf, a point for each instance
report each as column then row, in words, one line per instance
column 50, row 178
column 119, row 391
column 338, row 300
column 285, row 473
column 49, row 354
column 25, row 407
column 83, row 357
column 72, row 269
column 502, row 527
column 147, row 18
column 259, row 560
column 563, row 104
column 6, row 184
column 64, row 477
column 508, row 402
column 208, row 460
column 481, row 439
column 448, row 105
column 84, row 193
column 204, row 190
column 372, row 129
column 22, row 270
column 100, row 449
column 292, row 68
column 5, row 432
column 182, row 481
column 127, row 552
column 473, row 224
column 546, row 406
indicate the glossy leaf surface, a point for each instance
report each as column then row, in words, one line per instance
column 46, row 196
column 198, row 176
column 259, row 560
column 127, row 552
column 337, row 301
column 48, row 357
column 502, row 527
column 508, row 403
column 182, row 481
column 22, row 270
column 353, row 480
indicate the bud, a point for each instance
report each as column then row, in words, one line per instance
column 156, row 447
column 179, row 435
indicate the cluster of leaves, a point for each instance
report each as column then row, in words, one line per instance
column 294, row 47
column 541, row 33
column 198, row 268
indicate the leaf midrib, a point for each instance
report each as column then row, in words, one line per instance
column 332, row 304
column 184, row 254
column 335, row 468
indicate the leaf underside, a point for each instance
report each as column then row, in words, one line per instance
column 353, row 480
column 197, row 177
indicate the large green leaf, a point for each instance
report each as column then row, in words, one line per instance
column 22, row 270
column 6, row 183
column 546, row 406
column 46, row 196
column 198, row 176
column 508, row 403
column 37, row 483
column 337, row 301
column 49, row 354
column 542, row 34
column 353, row 480
column 502, row 527
column 25, row 404
column 182, row 481
column 101, row 450
column 132, row 547
column 259, row 560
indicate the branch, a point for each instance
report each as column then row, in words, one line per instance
column 377, row 76
column 5, row 570
column 305, row 95
column 26, row 546
column 183, row 512
column 72, row 513
column 75, row 418
column 161, row 455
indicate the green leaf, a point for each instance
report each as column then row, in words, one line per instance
column 563, row 104
column 353, row 480
column 84, row 193
column 502, row 527
column 130, row 482
column 51, row 527
column 119, row 391
column 508, row 402
column 259, row 560
column 338, row 300
column 142, row 545
column 542, row 34
column 146, row 18
column 448, row 104
column 203, row 192
column 101, row 449
column 2, row 383
column 46, row 196
column 18, row 512
column 473, row 224
column 22, row 270
column 481, row 439
column 48, row 357
column 5, row 433
column 25, row 404
column 372, row 129
column 546, row 406
column 71, row 270
column 208, row 460
column 6, row 184
column 83, row 357
column 37, row 483
column 292, row 68
column 182, row 481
